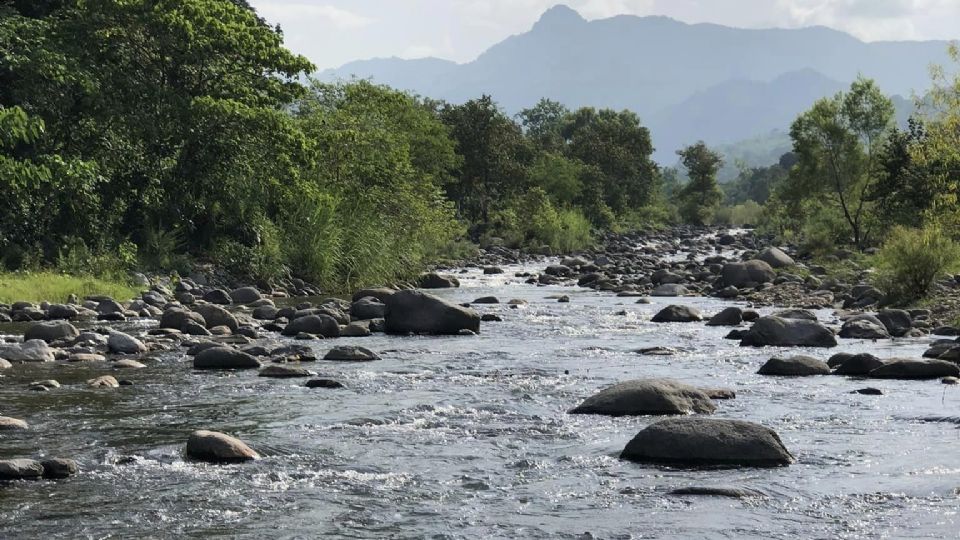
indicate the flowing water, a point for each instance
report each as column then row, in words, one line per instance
column 468, row 437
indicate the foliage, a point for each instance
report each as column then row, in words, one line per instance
column 838, row 143
column 912, row 259
column 700, row 197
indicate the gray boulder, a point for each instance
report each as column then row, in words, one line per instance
column 59, row 468
column 218, row 296
column 180, row 319
column 434, row 280
column 858, row 365
column 245, row 295
column 778, row 332
column 368, row 307
column 670, row 289
column 906, row 368
column 805, row 314
column 12, row 424
column 775, row 258
column 214, row 447
column 20, row 469
column 795, row 366
column 675, row 313
column 707, row 441
column 224, row 358
column 49, row 331
column 35, row 350
column 62, row 311
column 863, row 327
column 285, row 371
column 897, row 321
column 422, row 313
column 731, row 316
column 350, row 353
column 747, row 274
column 215, row 315
column 647, row 397
column 318, row 325
column 120, row 343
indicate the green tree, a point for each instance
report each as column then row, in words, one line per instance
column 838, row 144
column 700, row 197
column 543, row 123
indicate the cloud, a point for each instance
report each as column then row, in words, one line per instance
column 286, row 12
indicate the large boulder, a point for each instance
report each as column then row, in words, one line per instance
column 670, row 289
column 224, row 358
column 647, row 396
column 707, row 441
column 214, row 447
column 731, row 316
column 120, row 343
column 858, row 365
column 775, row 258
column 62, row 311
column 318, row 325
column 906, row 368
column 368, row 307
column 35, row 350
column 59, row 468
column 795, row 366
column 422, row 313
column 863, row 327
column 380, row 293
column 796, row 313
column 180, row 319
column 19, row 469
column 245, row 295
column 675, row 313
column 897, row 321
column 218, row 296
column 747, row 274
column 433, row 280
column 215, row 315
column 777, row 332
column 50, row 331
column 12, row 424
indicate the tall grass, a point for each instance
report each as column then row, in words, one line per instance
column 52, row 287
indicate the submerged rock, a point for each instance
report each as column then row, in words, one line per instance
column 215, row 447
column 104, row 381
column 717, row 491
column 647, row 397
column 10, row 424
column 707, row 441
column 323, row 383
column 284, row 371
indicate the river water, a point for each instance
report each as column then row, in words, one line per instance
column 468, row 437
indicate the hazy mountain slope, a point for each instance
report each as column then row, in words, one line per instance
column 686, row 81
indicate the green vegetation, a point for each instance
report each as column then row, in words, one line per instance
column 52, row 287
column 911, row 260
column 701, row 197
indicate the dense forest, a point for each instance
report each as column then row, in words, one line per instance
column 158, row 134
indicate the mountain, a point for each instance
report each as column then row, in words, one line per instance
column 687, row 81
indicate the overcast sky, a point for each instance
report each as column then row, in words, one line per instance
column 333, row 32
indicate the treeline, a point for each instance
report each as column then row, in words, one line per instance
column 160, row 133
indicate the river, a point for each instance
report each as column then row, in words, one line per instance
column 468, row 437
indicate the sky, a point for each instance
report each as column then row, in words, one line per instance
column 333, row 32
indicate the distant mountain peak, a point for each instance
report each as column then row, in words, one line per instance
column 559, row 15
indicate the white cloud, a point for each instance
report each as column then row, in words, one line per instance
column 287, row 12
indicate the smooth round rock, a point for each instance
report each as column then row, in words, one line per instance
column 215, row 447
column 647, row 397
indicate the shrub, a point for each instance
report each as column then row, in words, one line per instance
column 911, row 260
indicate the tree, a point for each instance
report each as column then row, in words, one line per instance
column 543, row 123
column 701, row 196
column 838, row 143
column 619, row 148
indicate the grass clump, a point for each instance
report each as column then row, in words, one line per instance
column 53, row 287
column 911, row 260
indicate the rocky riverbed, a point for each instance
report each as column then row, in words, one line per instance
column 553, row 406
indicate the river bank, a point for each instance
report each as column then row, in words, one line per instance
column 468, row 435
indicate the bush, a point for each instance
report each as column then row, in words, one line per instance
column 911, row 260
column 532, row 221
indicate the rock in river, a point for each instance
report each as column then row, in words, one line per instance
column 707, row 441
column 51, row 331
column 731, row 316
column 350, row 353
column 858, row 365
column 906, row 368
column 747, row 274
column 795, row 366
column 214, row 447
column 121, row 343
column 647, row 396
column 9, row 424
column 224, row 358
column 778, row 332
column 59, row 468
column 35, row 350
column 284, row 371
column 422, row 313
column 675, row 313
column 19, row 469
column 318, row 325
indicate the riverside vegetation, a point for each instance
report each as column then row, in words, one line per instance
column 162, row 137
